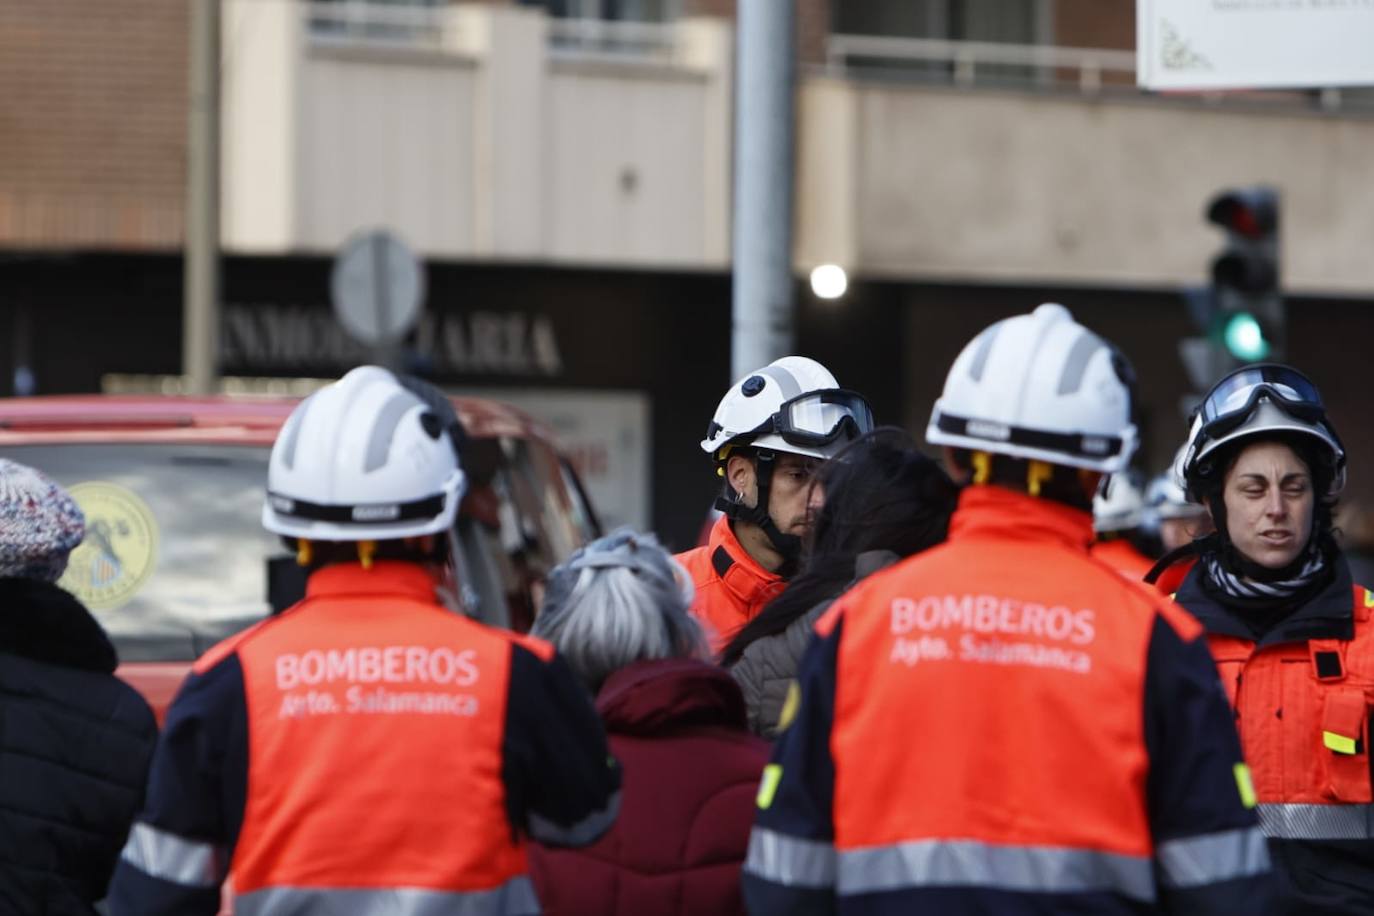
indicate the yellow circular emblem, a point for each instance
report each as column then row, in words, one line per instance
column 119, row 552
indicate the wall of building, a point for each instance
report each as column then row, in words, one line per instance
column 92, row 123
column 372, row 151
column 1061, row 188
column 625, row 183
column 1094, row 24
column 484, row 144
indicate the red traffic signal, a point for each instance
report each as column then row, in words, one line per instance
column 1249, row 264
column 1251, row 214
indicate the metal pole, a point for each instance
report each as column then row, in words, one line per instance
column 764, row 127
column 200, row 304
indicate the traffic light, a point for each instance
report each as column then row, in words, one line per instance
column 1248, row 321
column 1240, row 314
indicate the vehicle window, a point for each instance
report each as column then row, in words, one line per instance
column 541, row 496
column 583, row 516
column 175, row 556
column 524, row 522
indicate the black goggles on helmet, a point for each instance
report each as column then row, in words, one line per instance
column 1231, row 402
column 818, row 418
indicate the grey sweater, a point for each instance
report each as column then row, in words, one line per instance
column 769, row 664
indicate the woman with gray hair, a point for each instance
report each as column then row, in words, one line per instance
column 619, row 600
column 617, row 612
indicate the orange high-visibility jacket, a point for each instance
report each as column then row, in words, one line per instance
column 1121, row 555
column 1004, row 724
column 731, row 587
column 367, row 750
column 1303, row 696
column 1172, row 578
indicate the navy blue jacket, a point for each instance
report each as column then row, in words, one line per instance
column 75, row 743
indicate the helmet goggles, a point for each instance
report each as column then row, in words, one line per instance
column 818, row 418
column 1234, row 398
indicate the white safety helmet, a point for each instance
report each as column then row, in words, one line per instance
column 359, row 460
column 1042, row 387
column 791, row 405
column 1165, row 497
column 1118, row 505
column 1258, row 400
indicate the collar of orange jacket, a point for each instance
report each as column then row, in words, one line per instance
column 386, row 577
column 744, row 577
column 990, row 511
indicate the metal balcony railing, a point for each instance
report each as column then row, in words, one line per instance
column 418, row 26
column 1089, row 70
column 968, row 62
column 613, row 41
column 429, row 26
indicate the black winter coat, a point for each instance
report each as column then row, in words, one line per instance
column 75, row 742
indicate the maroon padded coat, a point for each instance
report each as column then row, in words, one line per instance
column 690, row 771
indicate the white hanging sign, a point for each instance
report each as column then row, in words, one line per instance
column 1254, row 44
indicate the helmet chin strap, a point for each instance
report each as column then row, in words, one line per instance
column 789, row 545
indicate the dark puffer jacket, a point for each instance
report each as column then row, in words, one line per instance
column 75, row 742
column 768, row 666
column 690, row 774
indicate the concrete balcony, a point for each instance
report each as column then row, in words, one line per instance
column 477, row 132
column 492, row 132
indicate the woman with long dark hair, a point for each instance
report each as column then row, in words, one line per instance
column 879, row 500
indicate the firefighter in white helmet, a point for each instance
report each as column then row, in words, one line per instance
column 771, row 430
column 369, row 750
column 1001, row 724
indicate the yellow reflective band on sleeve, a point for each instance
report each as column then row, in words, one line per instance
column 1368, row 598
column 1245, row 784
column 768, row 785
column 1338, row 743
column 789, row 706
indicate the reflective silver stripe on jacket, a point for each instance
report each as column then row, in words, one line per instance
column 170, row 857
column 579, row 834
column 790, row 860
column 1316, row 822
column 1207, row 859
column 514, row 898
column 969, row 863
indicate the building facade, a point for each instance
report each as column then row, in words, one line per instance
column 564, row 170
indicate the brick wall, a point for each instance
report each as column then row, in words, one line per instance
column 1095, row 23
column 93, row 122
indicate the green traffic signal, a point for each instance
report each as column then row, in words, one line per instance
column 1245, row 338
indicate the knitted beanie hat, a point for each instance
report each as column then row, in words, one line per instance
column 39, row 524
